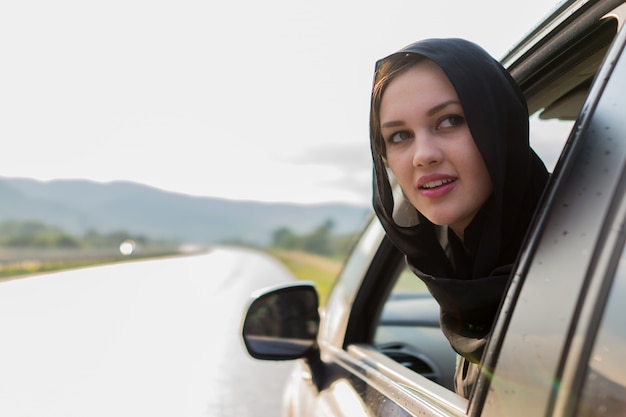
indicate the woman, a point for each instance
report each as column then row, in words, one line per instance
column 450, row 126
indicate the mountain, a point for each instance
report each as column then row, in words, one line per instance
column 80, row 205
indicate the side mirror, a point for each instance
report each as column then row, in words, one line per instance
column 282, row 323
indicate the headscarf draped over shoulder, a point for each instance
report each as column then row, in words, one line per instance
column 469, row 280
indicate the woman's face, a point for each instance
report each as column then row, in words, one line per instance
column 430, row 149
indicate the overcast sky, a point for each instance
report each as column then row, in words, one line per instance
column 254, row 100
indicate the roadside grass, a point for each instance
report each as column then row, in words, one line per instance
column 28, row 267
column 320, row 270
column 34, row 267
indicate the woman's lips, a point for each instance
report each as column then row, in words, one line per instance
column 435, row 185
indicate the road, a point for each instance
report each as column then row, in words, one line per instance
column 146, row 338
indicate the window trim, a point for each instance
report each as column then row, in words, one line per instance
column 415, row 392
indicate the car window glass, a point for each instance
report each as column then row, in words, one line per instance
column 547, row 138
column 407, row 282
column 361, row 255
column 604, row 391
column 341, row 297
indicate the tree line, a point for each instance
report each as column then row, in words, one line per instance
column 321, row 240
column 35, row 234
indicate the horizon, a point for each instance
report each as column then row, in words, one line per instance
column 178, row 193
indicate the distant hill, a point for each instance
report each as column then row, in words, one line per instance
column 79, row 205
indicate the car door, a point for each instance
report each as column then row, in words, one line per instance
column 540, row 350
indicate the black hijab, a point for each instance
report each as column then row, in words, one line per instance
column 469, row 279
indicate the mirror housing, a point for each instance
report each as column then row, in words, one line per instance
column 282, row 323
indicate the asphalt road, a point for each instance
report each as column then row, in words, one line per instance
column 148, row 338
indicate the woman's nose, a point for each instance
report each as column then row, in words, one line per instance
column 426, row 150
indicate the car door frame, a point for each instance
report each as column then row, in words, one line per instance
column 538, row 346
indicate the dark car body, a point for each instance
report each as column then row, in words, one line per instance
column 558, row 346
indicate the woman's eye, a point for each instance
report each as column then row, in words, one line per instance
column 450, row 121
column 399, row 137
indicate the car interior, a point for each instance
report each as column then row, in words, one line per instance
column 408, row 330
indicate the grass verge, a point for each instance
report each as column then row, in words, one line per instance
column 25, row 268
column 310, row 267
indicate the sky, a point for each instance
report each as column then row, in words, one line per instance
column 243, row 100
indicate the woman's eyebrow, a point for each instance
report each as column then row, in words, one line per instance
column 392, row 124
column 441, row 106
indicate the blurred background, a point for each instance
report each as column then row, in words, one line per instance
column 143, row 129
column 201, row 122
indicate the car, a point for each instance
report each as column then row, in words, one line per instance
column 558, row 345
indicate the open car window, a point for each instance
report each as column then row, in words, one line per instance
column 407, row 329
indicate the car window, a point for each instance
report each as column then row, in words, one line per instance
column 547, row 138
column 407, row 282
column 345, row 287
column 604, row 390
column 408, row 329
column 361, row 256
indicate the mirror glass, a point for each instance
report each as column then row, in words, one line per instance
column 282, row 324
